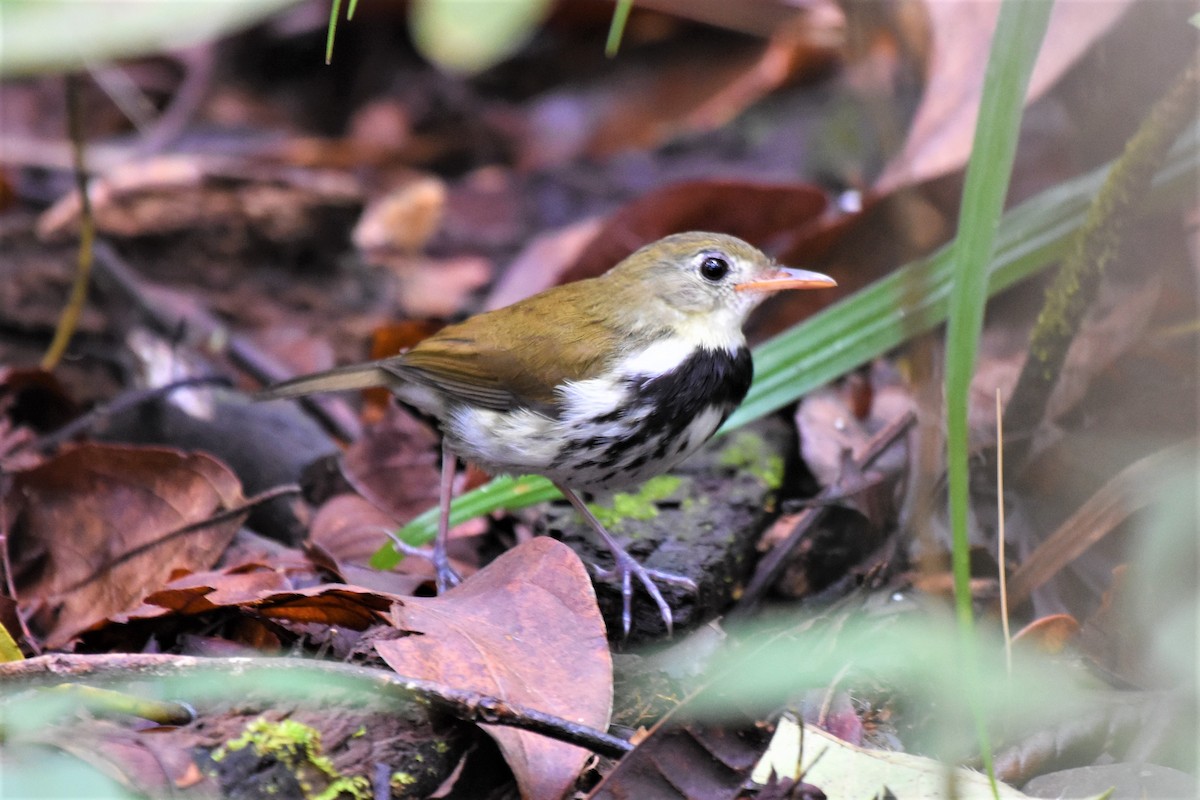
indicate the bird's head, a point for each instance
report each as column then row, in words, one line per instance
column 705, row 281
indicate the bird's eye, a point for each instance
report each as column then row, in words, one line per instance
column 714, row 268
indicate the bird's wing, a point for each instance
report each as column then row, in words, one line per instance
column 456, row 372
column 512, row 358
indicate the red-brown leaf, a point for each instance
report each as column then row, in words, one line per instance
column 525, row 629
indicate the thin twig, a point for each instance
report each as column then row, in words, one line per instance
column 1000, row 533
column 122, row 402
column 87, row 233
column 463, row 704
column 164, row 712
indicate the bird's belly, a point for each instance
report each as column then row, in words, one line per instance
column 597, row 457
column 610, row 432
column 587, row 455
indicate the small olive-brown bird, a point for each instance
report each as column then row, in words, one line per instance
column 597, row 385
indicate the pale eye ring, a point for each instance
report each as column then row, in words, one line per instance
column 714, row 268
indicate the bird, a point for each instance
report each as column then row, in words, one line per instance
column 598, row 384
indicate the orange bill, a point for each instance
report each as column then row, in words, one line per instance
column 780, row 278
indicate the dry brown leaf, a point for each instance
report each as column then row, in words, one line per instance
column 265, row 593
column 201, row 592
column 672, row 91
column 395, row 465
column 329, row 604
column 90, row 529
column 755, row 17
column 349, row 528
column 404, row 219
column 542, row 262
column 437, row 287
column 346, row 532
column 525, row 629
column 179, row 193
column 682, row 759
column 940, row 138
column 829, row 427
column 1048, row 635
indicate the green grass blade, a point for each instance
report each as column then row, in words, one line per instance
column 334, row 8
column 617, row 29
column 1019, row 33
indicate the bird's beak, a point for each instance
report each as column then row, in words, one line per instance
column 780, row 278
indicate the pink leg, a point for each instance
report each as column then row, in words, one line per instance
column 446, row 576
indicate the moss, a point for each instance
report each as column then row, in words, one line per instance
column 299, row 747
column 401, row 779
column 641, row 506
column 748, row 451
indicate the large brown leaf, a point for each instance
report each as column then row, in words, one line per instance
column 525, row 629
column 939, row 140
column 90, row 529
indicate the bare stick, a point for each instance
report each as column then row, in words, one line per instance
column 52, row 670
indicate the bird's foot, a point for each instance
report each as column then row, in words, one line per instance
column 625, row 570
column 445, row 576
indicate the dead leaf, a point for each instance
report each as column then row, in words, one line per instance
column 349, row 528
column 755, row 17
column 1122, row 495
column 346, row 532
column 526, row 629
column 402, row 220
column 201, row 592
column 90, row 529
column 685, row 758
column 180, row 193
column 1048, row 635
column 437, row 287
column 672, row 91
column 829, row 428
column 260, row 593
column 328, row 604
column 395, row 465
column 541, row 264
column 940, row 138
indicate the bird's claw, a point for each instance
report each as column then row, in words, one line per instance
column 625, row 569
column 445, row 576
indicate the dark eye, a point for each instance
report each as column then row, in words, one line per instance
column 714, row 268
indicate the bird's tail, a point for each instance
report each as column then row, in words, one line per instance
column 340, row 379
